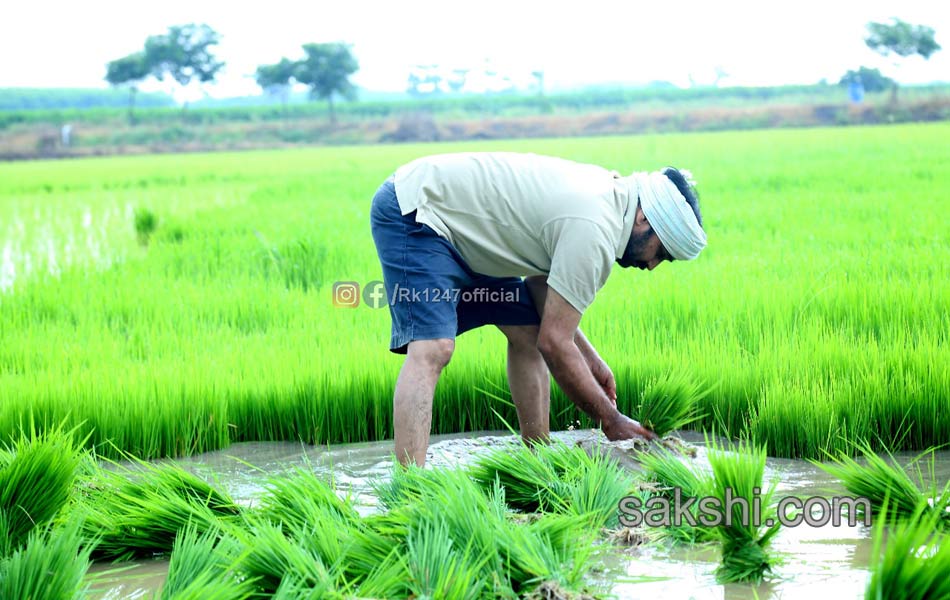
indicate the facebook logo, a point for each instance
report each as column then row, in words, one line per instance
column 374, row 294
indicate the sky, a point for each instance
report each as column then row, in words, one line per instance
column 67, row 44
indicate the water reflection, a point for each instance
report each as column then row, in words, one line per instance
column 52, row 243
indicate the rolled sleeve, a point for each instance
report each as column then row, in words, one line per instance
column 582, row 254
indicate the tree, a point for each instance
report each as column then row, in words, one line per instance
column 539, row 77
column 326, row 69
column 184, row 53
column 872, row 80
column 129, row 70
column 901, row 39
column 275, row 79
column 457, row 81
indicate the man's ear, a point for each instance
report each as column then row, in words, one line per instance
column 640, row 218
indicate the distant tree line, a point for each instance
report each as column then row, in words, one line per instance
column 81, row 98
column 184, row 53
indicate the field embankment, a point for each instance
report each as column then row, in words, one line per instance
column 96, row 132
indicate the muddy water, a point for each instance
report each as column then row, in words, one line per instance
column 830, row 560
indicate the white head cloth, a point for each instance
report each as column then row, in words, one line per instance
column 670, row 215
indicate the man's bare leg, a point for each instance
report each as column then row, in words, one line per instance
column 529, row 381
column 412, row 402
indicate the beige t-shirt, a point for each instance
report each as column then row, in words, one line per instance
column 512, row 214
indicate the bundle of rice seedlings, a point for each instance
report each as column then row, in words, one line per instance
column 881, row 480
column 405, row 485
column 294, row 589
column 389, row 579
column 556, row 549
column 669, row 474
column 480, row 539
column 745, row 545
column 530, row 478
column 301, row 520
column 595, row 489
column 439, row 568
column 131, row 513
column 199, row 570
column 914, row 562
column 471, row 517
column 377, row 545
column 557, row 478
column 553, row 547
column 269, row 559
column 301, row 499
column 311, row 512
column 37, row 473
column 50, row 565
column 670, row 403
column 284, row 561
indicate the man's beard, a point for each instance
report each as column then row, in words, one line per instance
column 636, row 243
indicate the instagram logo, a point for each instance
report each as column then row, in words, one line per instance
column 346, row 294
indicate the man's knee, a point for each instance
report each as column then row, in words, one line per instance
column 521, row 337
column 433, row 354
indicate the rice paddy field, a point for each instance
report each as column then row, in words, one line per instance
column 818, row 314
column 171, row 306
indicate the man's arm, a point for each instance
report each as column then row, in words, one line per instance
column 538, row 287
column 556, row 342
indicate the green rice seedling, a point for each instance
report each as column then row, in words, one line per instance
column 911, row 558
column 299, row 264
column 554, row 548
column 388, row 579
column 514, row 555
column 36, row 478
column 471, row 516
column 268, row 558
column 378, row 547
column 670, row 473
column 440, row 569
column 670, row 403
column 531, row 481
column 132, row 513
column 300, row 499
column 294, row 589
column 404, row 485
column 557, row 478
column 145, row 224
column 199, row 570
column 883, row 481
column 739, row 474
column 596, row 487
column 51, row 565
column 312, row 515
column 210, row 586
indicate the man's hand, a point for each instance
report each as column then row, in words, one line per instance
column 622, row 427
column 605, row 378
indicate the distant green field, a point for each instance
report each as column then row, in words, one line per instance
column 819, row 313
column 110, row 106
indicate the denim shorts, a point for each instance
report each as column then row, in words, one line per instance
column 431, row 292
